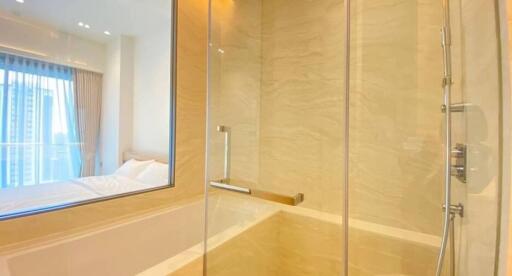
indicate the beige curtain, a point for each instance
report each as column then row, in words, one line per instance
column 88, row 109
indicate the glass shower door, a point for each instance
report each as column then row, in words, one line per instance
column 275, row 138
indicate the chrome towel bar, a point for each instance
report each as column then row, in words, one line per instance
column 288, row 200
column 229, row 187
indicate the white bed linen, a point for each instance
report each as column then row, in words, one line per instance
column 21, row 199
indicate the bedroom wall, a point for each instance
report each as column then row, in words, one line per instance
column 151, row 92
column 136, row 98
column 44, row 42
column 117, row 104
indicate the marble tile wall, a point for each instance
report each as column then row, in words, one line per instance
column 191, row 95
column 302, row 101
column 395, row 124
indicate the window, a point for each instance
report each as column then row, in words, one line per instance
column 38, row 136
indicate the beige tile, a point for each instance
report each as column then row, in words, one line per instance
column 302, row 107
column 395, row 139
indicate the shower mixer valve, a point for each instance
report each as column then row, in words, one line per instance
column 459, row 156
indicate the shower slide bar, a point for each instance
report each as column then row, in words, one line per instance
column 288, row 200
column 447, row 85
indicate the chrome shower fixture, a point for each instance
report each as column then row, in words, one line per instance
column 459, row 166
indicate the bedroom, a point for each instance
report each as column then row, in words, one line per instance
column 104, row 70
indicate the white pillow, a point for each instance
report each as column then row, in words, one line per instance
column 156, row 174
column 132, row 168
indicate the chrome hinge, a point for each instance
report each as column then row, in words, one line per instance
column 445, row 37
column 446, row 81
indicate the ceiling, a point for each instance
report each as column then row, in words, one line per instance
column 119, row 17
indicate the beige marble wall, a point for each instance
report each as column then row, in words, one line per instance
column 190, row 142
column 191, row 95
column 302, row 105
column 395, row 125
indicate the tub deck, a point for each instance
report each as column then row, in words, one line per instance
column 246, row 236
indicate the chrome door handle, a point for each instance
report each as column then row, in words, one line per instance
column 227, row 146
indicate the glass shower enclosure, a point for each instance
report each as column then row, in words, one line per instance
column 328, row 145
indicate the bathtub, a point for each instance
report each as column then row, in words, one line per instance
column 133, row 246
column 291, row 240
column 171, row 240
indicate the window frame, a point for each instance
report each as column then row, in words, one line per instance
column 172, row 137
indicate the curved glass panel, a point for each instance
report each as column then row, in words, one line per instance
column 397, row 138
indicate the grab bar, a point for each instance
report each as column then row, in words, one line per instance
column 288, row 200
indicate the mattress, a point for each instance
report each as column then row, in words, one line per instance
column 50, row 195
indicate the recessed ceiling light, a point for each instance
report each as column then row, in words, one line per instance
column 106, row 32
column 87, row 26
column 20, row 1
column 81, row 24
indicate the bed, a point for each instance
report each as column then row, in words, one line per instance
column 51, row 195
